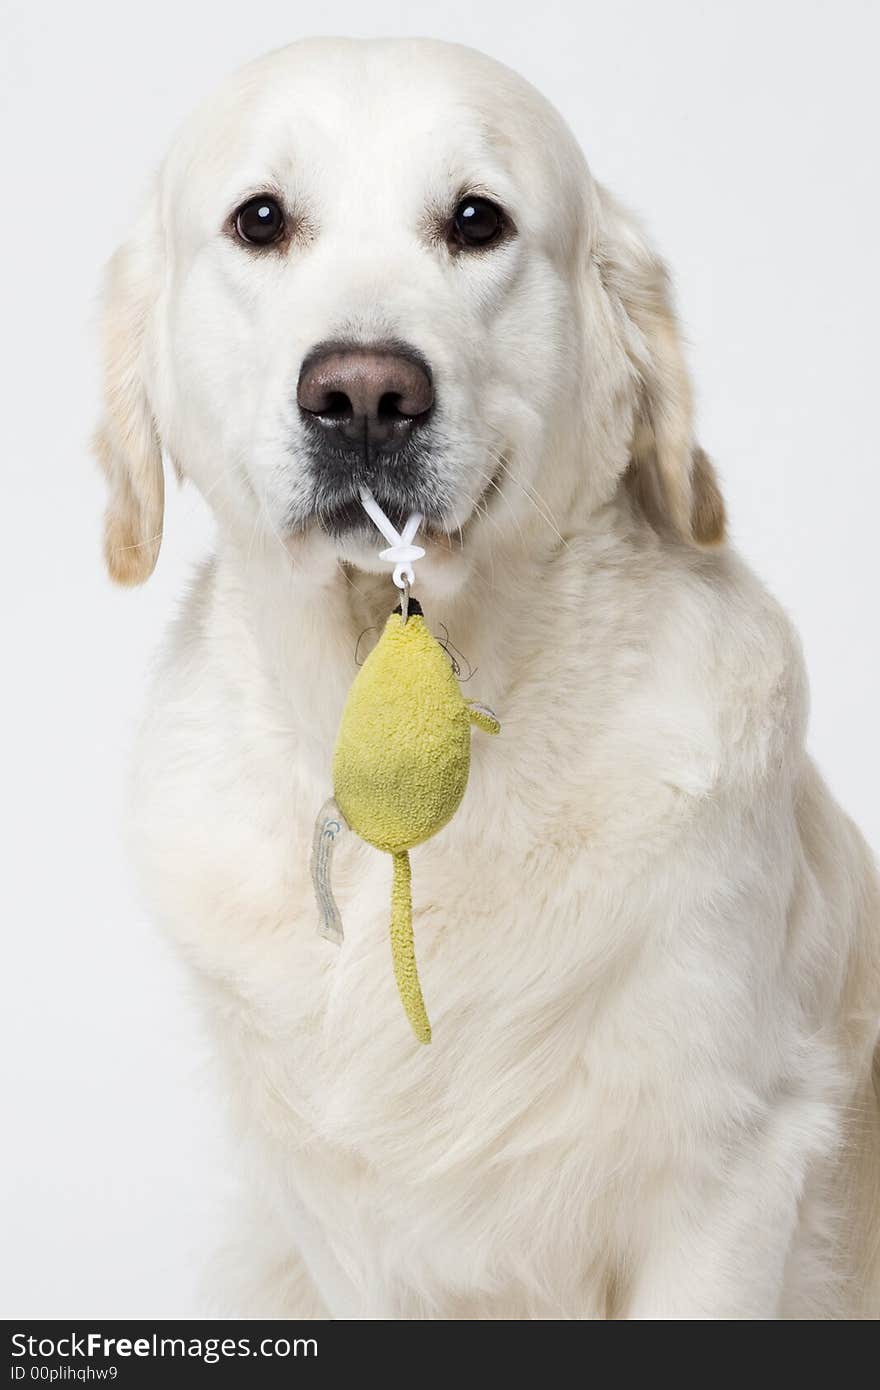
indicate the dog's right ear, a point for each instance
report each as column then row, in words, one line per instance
column 126, row 441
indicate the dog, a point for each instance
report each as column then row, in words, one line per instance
column 649, row 938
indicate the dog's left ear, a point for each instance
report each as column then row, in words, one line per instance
column 126, row 441
column 669, row 473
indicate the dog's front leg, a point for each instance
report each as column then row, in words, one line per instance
column 250, row 1277
column 717, row 1250
column 266, row 1268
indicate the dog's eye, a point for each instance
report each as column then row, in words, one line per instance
column 476, row 222
column 260, row 222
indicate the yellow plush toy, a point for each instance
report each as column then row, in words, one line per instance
column 400, row 769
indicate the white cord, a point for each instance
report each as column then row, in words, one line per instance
column 401, row 551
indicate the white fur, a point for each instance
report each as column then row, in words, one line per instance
column 649, row 939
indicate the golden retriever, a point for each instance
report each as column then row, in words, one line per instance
column 650, row 939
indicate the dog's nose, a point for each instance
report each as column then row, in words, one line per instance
column 371, row 397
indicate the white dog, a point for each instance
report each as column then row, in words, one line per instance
column 650, row 940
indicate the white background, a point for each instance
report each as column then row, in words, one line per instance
column 746, row 134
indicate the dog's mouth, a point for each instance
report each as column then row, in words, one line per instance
column 426, row 474
column 340, row 514
column 346, row 521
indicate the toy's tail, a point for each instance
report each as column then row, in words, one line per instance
column 403, row 951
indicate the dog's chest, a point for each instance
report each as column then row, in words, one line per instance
column 442, row 1164
column 423, row 1158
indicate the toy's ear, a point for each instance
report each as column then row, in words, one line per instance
column 669, row 473
column 126, row 441
column 484, row 718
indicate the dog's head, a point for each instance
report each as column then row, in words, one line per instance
column 386, row 263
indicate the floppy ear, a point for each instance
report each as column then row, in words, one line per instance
column 126, row 441
column 669, row 473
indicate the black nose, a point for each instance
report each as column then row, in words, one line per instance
column 369, row 397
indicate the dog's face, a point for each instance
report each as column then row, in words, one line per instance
column 384, row 264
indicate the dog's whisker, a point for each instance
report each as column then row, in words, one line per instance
column 531, row 493
column 492, row 482
column 534, row 498
column 140, row 545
